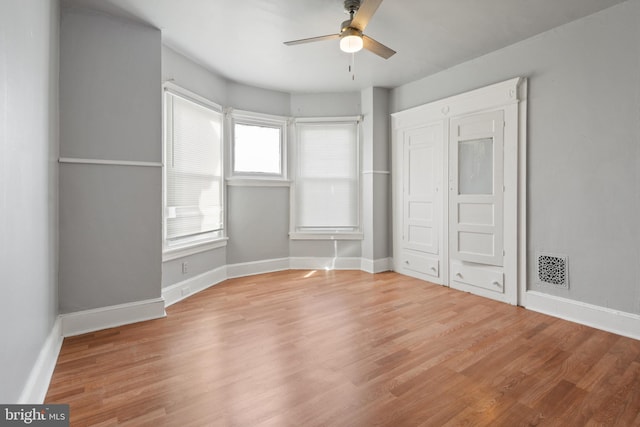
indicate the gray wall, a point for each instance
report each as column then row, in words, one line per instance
column 258, row 223
column 257, row 217
column 325, row 104
column 583, row 146
column 375, row 179
column 182, row 71
column 196, row 264
column 28, row 186
column 110, row 109
column 249, row 98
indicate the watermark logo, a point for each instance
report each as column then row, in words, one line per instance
column 34, row 415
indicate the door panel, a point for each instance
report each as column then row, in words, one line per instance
column 476, row 214
column 420, row 263
column 476, row 243
column 478, row 277
column 422, row 170
column 476, row 188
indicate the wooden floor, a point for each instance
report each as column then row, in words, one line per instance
column 346, row 348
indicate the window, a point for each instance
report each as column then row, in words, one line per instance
column 258, row 146
column 193, row 186
column 326, row 195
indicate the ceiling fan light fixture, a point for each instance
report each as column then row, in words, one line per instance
column 351, row 41
column 351, row 34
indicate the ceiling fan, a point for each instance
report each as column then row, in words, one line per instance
column 351, row 34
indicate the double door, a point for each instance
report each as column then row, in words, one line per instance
column 450, row 204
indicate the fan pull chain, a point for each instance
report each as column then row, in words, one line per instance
column 352, row 66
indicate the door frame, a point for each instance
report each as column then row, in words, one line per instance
column 511, row 97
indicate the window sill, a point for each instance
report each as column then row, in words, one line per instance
column 180, row 251
column 258, row 182
column 326, row 236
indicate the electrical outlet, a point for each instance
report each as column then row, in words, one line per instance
column 185, row 269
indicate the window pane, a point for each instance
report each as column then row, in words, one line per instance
column 328, row 151
column 257, row 149
column 327, row 182
column 475, row 166
column 193, row 169
column 328, row 203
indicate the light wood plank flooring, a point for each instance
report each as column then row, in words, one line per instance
column 347, row 348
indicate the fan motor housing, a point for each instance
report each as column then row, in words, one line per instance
column 348, row 30
column 346, row 26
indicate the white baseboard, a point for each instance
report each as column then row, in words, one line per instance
column 257, row 267
column 607, row 319
column 179, row 291
column 35, row 389
column 108, row 317
column 318, row 263
column 374, row 266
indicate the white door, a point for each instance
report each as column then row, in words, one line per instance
column 476, row 189
column 422, row 170
column 420, row 154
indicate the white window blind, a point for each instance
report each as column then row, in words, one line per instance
column 193, row 169
column 327, row 187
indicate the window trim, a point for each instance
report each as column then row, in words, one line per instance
column 189, row 245
column 329, row 234
column 257, row 119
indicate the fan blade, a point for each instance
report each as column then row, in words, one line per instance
column 378, row 48
column 313, row 39
column 364, row 14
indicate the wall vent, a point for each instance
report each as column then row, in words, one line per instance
column 552, row 270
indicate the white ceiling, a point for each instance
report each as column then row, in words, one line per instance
column 242, row 40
